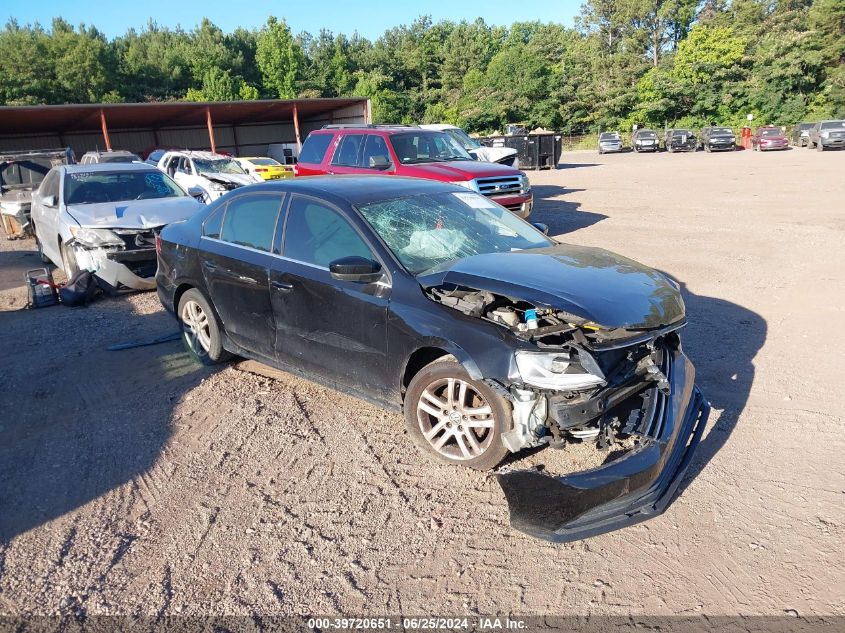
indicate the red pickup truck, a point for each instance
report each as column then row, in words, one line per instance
column 414, row 152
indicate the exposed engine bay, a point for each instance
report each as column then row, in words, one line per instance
column 574, row 381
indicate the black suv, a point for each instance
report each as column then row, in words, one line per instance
column 718, row 139
column 680, row 141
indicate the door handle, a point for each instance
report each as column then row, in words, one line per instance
column 282, row 286
column 210, row 265
column 247, row 280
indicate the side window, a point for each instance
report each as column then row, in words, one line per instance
column 250, row 220
column 348, row 150
column 50, row 185
column 374, row 147
column 214, row 222
column 185, row 165
column 314, row 148
column 317, row 234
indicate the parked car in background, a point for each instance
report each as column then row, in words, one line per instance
column 801, row 133
column 719, row 139
column 502, row 155
column 415, row 152
column 610, row 142
column 110, row 156
column 768, row 138
column 491, row 337
column 155, row 156
column 213, row 174
column 265, row 168
column 680, row 140
column 21, row 173
column 105, row 218
column 826, row 134
column 645, row 141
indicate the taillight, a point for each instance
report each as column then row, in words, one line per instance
column 158, row 244
column 260, row 169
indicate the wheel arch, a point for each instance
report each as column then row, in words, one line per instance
column 430, row 352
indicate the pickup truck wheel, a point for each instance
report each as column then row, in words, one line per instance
column 200, row 331
column 454, row 418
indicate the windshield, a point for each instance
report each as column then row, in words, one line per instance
column 832, row 125
column 772, row 131
column 263, row 161
column 609, row 136
column 119, row 158
column 91, row 187
column 681, row 132
column 463, row 139
column 218, row 166
column 721, row 130
column 427, row 231
column 427, row 147
column 646, row 134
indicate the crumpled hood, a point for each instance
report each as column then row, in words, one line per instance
column 134, row 214
column 591, row 283
column 235, row 179
column 493, row 154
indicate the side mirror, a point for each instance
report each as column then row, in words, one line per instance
column 543, row 228
column 197, row 192
column 379, row 161
column 355, row 268
column 50, row 201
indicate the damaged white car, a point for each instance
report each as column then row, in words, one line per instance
column 209, row 173
column 105, row 218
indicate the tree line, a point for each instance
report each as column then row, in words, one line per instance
column 683, row 63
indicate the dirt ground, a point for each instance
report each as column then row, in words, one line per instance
column 137, row 482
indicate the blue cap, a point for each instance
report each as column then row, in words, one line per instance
column 530, row 315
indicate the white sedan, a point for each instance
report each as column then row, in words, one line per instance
column 214, row 174
column 105, row 218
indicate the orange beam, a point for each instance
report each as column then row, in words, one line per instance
column 105, row 130
column 296, row 126
column 210, row 129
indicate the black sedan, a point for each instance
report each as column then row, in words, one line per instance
column 490, row 336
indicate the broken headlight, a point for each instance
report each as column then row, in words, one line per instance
column 558, row 371
column 95, row 238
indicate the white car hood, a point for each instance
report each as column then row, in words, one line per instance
column 493, row 154
column 237, row 179
column 134, row 214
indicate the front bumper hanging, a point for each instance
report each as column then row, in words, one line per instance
column 631, row 489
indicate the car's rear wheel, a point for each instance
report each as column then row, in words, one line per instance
column 200, row 331
column 455, row 418
column 38, row 245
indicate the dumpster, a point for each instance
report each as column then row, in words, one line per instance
column 535, row 151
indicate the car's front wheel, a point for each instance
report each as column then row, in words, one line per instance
column 200, row 332
column 455, row 418
column 69, row 263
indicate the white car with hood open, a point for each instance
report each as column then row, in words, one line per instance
column 105, row 218
column 214, row 174
column 502, row 155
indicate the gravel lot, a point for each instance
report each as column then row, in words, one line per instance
column 136, row 482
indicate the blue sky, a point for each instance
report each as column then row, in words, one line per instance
column 370, row 19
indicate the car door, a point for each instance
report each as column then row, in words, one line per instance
column 335, row 329
column 236, row 253
column 46, row 217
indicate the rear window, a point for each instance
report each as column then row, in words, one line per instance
column 314, row 148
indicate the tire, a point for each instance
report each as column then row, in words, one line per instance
column 200, row 330
column 69, row 264
column 431, row 412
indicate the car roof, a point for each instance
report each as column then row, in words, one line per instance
column 359, row 189
column 111, row 152
column 94, row 167
column 386, row 130
column 192, row 153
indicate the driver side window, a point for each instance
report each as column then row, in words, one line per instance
column 316, row 234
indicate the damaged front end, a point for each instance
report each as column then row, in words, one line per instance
column 119, row 257
column 627, row 390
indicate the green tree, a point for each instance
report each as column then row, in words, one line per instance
column 279, row 58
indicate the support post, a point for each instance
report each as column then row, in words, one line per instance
column 105, row 130
column 296, row 127
column 210, row 129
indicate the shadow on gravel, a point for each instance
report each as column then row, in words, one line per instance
column 13, row 266
column 561, row 216
column 721, row 339
column 79, row 421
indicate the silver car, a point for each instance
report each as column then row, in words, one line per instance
column 826, row 134
column 105, row 218
column 609, row 142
